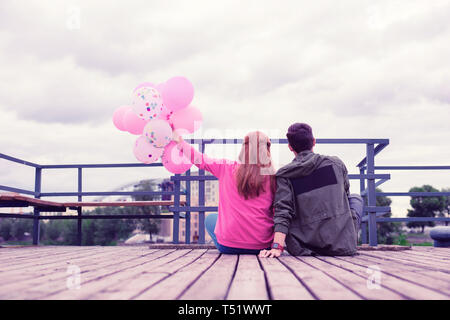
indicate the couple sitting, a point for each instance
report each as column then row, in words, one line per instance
column 305, row 206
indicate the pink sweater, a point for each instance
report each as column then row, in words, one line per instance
column 246, row 224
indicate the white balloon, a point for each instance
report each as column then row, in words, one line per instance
column 147, row 103
column 146, row 152
column 158, row 132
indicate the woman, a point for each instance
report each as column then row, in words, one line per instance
column 244, row 223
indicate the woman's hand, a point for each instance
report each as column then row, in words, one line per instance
column 176, row 137
column 272, row 253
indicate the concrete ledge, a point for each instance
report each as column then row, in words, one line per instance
column 181, row 246
column 363, row 247
column 383, row 247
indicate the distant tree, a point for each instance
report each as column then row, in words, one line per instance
column 385, row 230
column 424, row 207
column 150, row 226
column 53, row 230
column 446, row 210
column 69, row 232
column 107, row 231
column 166, row 185
column 89, row 228
column 6, row 229
column 20, row 227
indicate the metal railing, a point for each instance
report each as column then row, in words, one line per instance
column 373, row 218
column 367, row 177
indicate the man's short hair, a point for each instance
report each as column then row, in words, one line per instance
column 300, row 137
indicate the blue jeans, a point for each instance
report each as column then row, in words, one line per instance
column 210, row 225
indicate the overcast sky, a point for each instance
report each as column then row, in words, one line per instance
column 351, row 69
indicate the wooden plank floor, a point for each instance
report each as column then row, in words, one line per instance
column 137, row 272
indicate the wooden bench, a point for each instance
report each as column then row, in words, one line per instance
column 17, row 200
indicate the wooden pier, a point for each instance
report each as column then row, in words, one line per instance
column 140, row 272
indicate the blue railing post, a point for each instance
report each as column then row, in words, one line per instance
column 371, row 195
column 79, row 209
column 176, row 214
column 188, row 213
column 36, row 212
column 362, row 187
column 201, row 200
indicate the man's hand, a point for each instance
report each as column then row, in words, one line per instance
column 278, row 237
column 272, row 253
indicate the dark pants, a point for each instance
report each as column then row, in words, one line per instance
column 356, row 207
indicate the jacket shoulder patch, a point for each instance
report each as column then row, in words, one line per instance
column 319, row 178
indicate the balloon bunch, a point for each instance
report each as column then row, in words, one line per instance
column 155, row 113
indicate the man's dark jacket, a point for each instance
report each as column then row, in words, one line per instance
column 311, row 206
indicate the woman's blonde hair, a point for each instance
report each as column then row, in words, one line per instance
column 255, row 166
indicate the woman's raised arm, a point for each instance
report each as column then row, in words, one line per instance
column 202, row 161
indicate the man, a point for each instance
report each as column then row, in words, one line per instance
column 314, row 212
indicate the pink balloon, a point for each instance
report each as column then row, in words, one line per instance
column 158, row 132
column 118, row 117
column 145, row 152
column 189, row 119
column 174, row 160
column 166, row 115
column 177, row 93
column 133, row 124
column 144, row 84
